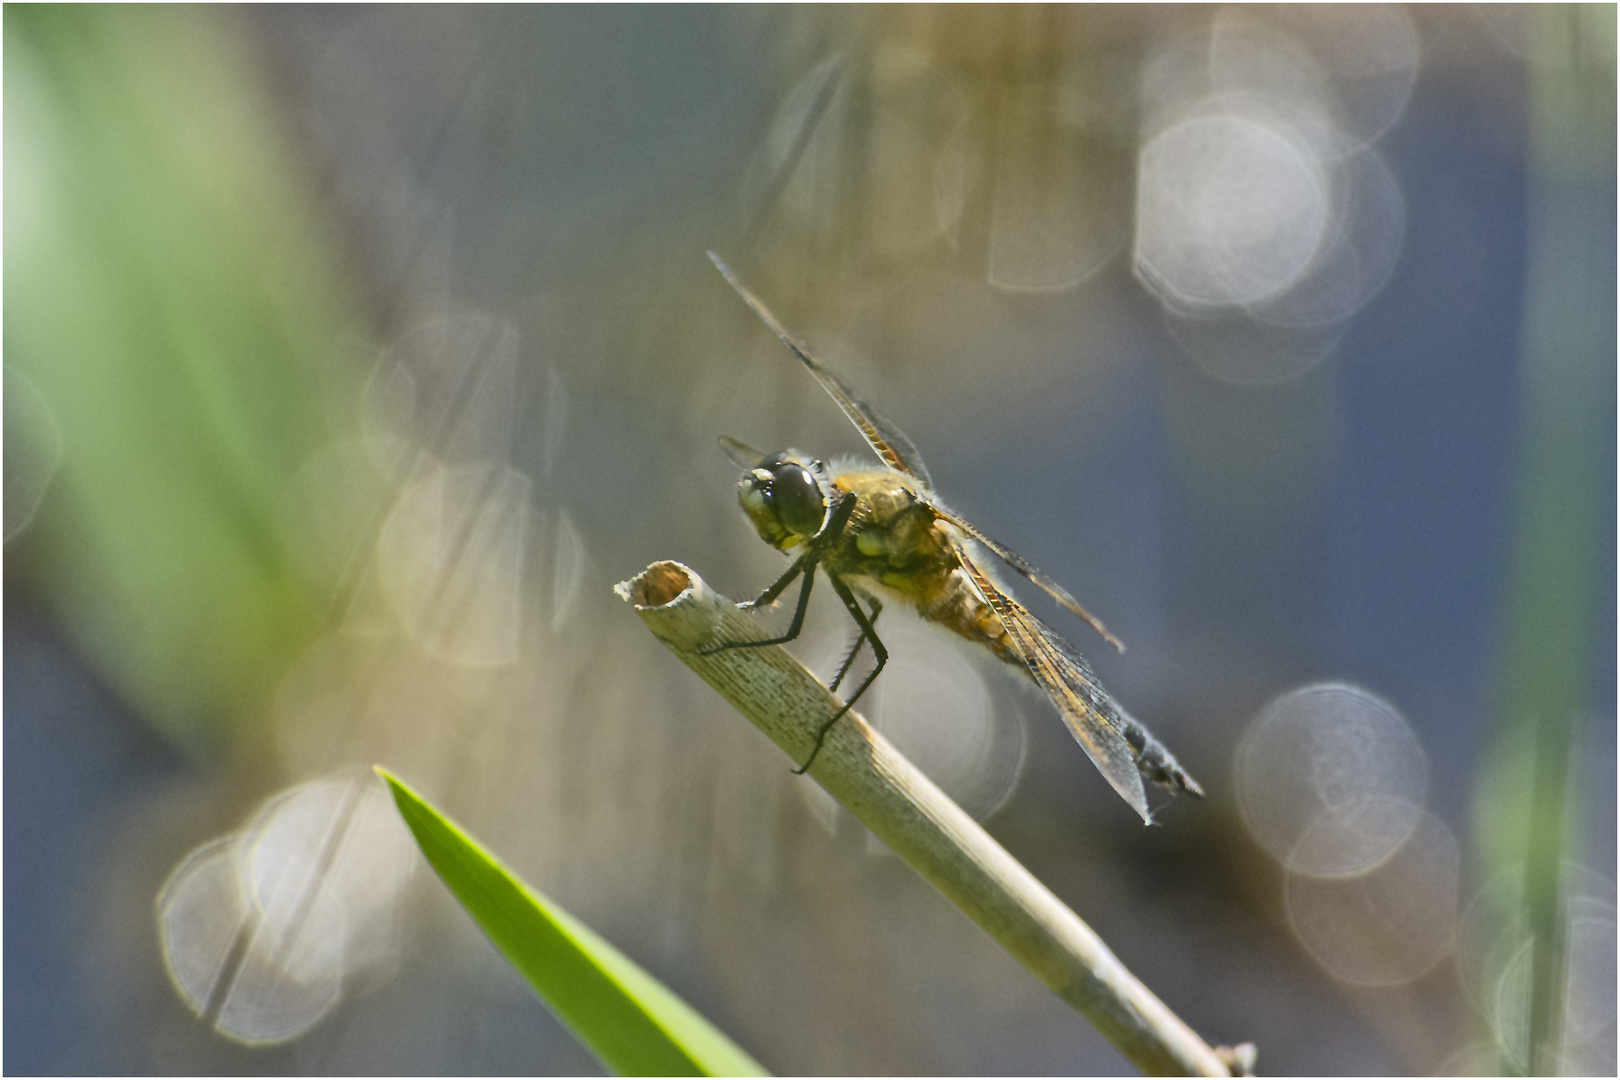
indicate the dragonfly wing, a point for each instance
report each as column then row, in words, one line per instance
column 741, row 454
column 1033, row 573
column 1063, row 674
column 888, row 441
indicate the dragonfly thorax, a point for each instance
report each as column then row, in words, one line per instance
column 785, row 498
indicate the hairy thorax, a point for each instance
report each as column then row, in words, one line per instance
column 896, row 545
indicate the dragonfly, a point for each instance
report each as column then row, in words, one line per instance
column 881, row 534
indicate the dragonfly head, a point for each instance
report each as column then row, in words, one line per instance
column 785, row 499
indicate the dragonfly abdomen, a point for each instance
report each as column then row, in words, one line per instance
column 956, row 604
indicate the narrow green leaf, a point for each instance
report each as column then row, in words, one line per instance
column 630, row 1020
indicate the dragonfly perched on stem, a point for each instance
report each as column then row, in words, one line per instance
column 883, row 534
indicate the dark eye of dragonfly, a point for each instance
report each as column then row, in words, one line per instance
column 795, row 495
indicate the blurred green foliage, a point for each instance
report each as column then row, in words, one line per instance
column 1527, row 806
column 171, row 295
column 630, row 1020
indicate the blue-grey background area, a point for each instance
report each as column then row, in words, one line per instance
column 565, row 169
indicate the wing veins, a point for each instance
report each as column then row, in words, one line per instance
column 1063, row 674
column 1032, row 572
column 885, row 439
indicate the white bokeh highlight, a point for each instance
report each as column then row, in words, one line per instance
column 261, row 929
column 1265, row 218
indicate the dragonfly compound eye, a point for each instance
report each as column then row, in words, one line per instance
column 795, row 496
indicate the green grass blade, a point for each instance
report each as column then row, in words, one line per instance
column 630, row 1020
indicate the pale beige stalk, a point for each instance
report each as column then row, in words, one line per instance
column 859, row 768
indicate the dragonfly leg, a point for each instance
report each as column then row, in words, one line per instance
column 879, row 653
column 836, row 520
column 806, row 565
column 877, row 608
column 777, row 587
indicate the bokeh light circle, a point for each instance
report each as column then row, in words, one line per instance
column 1229, row 211
column 1331, row 780
column 261, row 929
column 1389, row 925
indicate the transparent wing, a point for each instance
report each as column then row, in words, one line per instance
column 1063, row 674
column 741, row 454
column 889, row 442
column 1039, row 577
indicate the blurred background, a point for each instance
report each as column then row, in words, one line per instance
column 353, row 354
